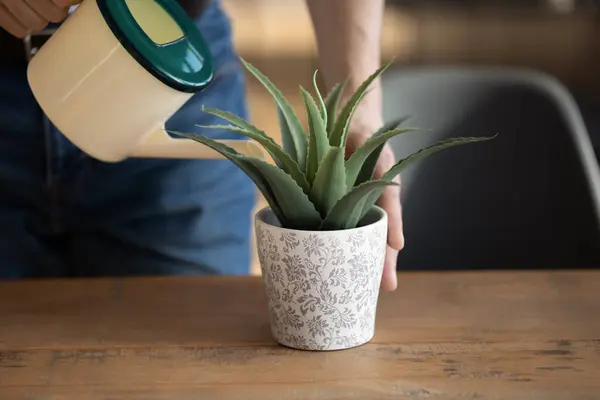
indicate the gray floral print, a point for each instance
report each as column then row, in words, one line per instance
column 322, row 287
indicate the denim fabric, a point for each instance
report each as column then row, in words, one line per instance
column 63, row 213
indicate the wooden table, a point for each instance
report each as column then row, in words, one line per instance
column 486, row 335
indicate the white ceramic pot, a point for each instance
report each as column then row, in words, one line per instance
column 322, row 287
column 116, row 71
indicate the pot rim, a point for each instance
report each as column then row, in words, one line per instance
column 259, row 217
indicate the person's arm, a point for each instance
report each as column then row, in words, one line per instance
column 348, row 34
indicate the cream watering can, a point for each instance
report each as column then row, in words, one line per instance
column 116, row 70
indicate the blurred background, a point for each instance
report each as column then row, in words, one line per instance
column 525, row 69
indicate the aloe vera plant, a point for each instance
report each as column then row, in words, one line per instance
column 312, row 185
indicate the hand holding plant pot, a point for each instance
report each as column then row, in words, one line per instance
column 322, row 240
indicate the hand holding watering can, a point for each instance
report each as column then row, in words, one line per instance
column 116, row 71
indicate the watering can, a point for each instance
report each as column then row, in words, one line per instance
column 115, row 72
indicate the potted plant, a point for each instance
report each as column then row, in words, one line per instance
column 321, row 240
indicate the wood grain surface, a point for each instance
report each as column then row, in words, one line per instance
column 487, row 335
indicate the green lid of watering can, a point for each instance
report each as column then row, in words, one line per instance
column 163, row 39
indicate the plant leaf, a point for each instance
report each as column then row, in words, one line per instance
column 294, row 127
column 330, row 181
column 322, row 106
column 279, row 155
column 286, row 136
column 234, row 119
column 294, row 209
column 366, row 172
column 344, row 212
column 318, row 144
column 249, row 169
column 434, row 148
column 295, row 205
column 287, row 164
column 405, row 162
column 355, row 163
column 340, row 129
column 356, row 215
column 332, row 102
column 393, row 124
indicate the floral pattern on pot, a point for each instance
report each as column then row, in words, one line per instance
column 322, row 287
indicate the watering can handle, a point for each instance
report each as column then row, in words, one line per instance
column 160, row 145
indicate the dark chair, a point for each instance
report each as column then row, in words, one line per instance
column 528, row 199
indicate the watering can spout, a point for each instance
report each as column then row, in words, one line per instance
column 159, row 144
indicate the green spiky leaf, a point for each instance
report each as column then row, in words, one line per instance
column 293, row 208
column 330, row 181
column 294, row 129
column 356, row 215
column 366, row 172
column 393, row 124
column 405, row 162
column 322, row 106
column 318, row 144
column 248, row 168
column 344, row 213
column 342, row 123
column 332, row 102
column 286, row 136
column 429, row 150
column 279, row 155
column 299, row 212
column 355, row 163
